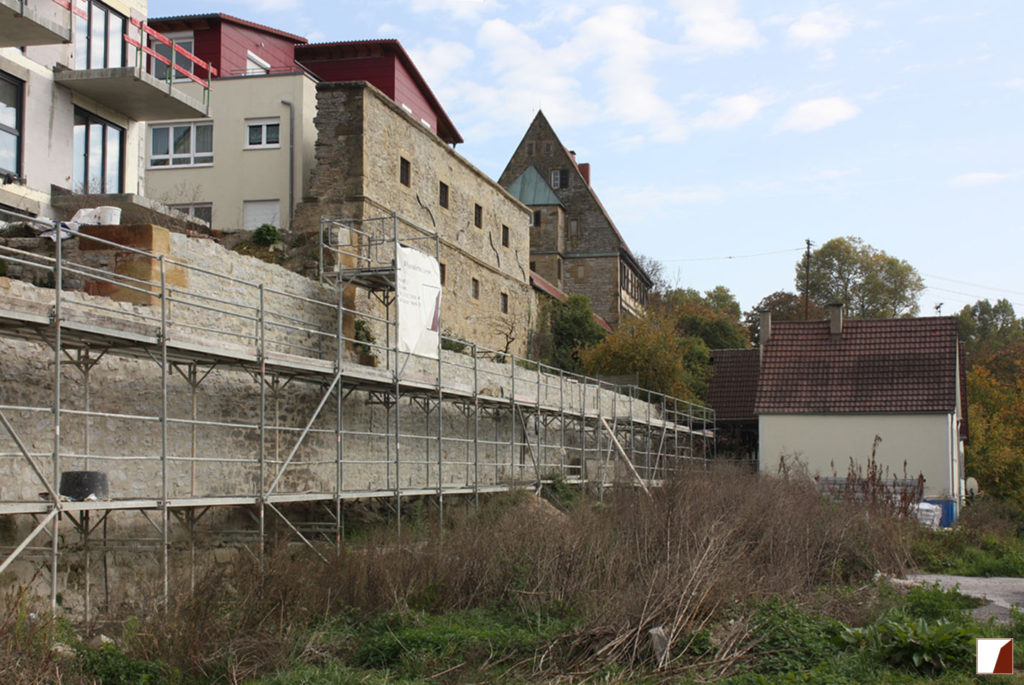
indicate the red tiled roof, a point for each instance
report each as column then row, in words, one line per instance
column 873, row 366
column 733, row 387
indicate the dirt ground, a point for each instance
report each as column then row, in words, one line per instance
column 1001, row 593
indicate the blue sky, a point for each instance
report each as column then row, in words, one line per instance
column 731, row 128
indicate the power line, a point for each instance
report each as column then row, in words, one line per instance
column 973, row 296
column 974, row 285
column 742, row 256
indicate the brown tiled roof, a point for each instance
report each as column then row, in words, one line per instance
column 733, row 386
column 873, row 366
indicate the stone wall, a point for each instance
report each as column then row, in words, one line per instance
column 213, row 309
column 363, row 136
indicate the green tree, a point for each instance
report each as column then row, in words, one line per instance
column 784, row 306
column 871, row 283
column 572, row 328
column 652, row 348
column 986, row 327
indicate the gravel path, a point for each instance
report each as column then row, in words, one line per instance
column 1001, row 593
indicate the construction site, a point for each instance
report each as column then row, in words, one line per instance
column 162, row 397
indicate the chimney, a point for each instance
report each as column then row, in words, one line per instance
column 572, row 153
column 835, row 318
column 765, row 324
column 585, row 171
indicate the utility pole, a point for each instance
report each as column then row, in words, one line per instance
column 807, row 275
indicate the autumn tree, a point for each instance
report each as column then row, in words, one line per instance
column 573, row 328
column 712, row 316
column 652, row 348
column 784, row 306
column 869, row 282
column 995, row 396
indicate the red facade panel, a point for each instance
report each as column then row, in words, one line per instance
column 237, row 41
column 408, row 93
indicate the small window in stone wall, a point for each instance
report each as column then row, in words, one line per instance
column 443, row 274
column 404, row 172
column 504, row 303
column 547, row 148
column 537, row 219
column 478, row 216
column 559, row 268
column 529, row 149
column 442, row 195
column 475, row 289
column 533, row 266
column 504, row 235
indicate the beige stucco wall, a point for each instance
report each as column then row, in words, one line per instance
column 238, row 174
column 926, row 442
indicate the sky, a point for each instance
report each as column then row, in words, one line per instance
column 722, row 134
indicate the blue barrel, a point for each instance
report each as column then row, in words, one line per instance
column 948, row 511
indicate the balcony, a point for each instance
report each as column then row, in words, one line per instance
column 34, row 22
column 134, row 90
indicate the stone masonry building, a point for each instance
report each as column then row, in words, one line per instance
column 373, row 159
column 574, row 243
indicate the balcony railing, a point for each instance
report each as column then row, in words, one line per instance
column 147, row 57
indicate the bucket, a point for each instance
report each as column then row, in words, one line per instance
column 78, row 485
column 109, row 216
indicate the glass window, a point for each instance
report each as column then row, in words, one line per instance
column 262, row 133
column 203, row 210
column 99, row 154
column 478, row 216
column 404, row 171
column 10, row 124
column 254, row 65
column 187, row 42
column 189, row 144
column 99, row 36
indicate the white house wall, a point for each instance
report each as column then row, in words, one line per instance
column 237, row 174
column 825, row 444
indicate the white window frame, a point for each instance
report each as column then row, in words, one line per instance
column 263, row 124
column 191, row 208
column 255, row 65
column 170, row 155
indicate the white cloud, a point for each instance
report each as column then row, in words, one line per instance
column 814, row 115
column 979, row 178
column 818, row 28
column 460, row 9
column 523, row 80
column 1013, row 83
column 716, row 26
column 730, row 112
column 437, row 60
column 616, row 38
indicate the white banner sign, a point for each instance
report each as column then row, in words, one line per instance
column 419, row 302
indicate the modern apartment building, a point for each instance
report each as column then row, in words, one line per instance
column 79, row 81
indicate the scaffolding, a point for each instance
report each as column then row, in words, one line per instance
column 334, row 416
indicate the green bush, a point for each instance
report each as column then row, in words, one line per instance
column 266, row 235
column 364, row 336
column 927, row 647
column 109, row 666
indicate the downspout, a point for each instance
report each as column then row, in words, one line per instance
column 291, row 161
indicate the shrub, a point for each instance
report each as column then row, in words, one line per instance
column 364, row 336
column 928, row 647
column 266, row 235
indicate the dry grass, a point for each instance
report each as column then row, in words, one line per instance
column 684, row 561
column 687, row 561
